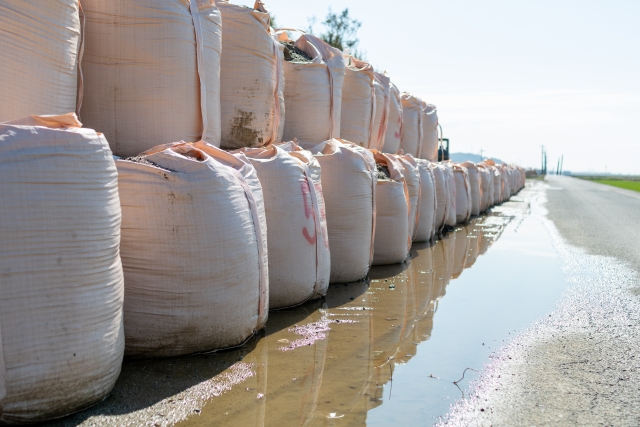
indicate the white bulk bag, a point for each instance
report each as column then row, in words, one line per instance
column 429, row 149
column 392, row 239
column 39, row 47
column 497, row 185
column 299, row 260
column 486, row 186
column 152, row 72
column 506, row 188
column 451, row 219
column 313, row 92
column 463, row 194
column 61, row 291
column 412, row 124
column 412, row 178
column 251, row 73
column 358, row 103
column 395, row 123
column 348, row 186
column 382, row 90
column 193, row 251
column 475, row 188
column 442, row 195
column 428, row 201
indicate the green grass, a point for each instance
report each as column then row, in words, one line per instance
column 629, row 185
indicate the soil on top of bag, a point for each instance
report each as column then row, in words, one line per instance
column 293, row 54
column 383, row 173
column 139, row 159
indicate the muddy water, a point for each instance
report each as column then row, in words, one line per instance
column 380, row 352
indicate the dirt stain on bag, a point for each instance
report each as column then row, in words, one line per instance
column 242, row 132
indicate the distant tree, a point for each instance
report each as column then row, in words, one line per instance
column 272, row 21
column 340, row 31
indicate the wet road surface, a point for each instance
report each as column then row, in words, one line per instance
column 580, row 365
column 392, row 350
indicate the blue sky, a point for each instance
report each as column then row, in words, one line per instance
column 510, row 76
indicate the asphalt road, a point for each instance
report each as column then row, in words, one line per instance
column 581, row 364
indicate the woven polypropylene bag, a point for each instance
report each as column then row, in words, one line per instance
column 429, row 149
column 348, row 185
column 412, row 111
column 61, row 291
column 193, row 251
column 475, row 187
column 39, row 51
column 299, row 259
column 313, row 93
column 358, row 103
column 382, row 91
column 428, row 201
column 463, row 194
column 152, row 72
column 442, row 195
column 251, row 76
column 451, row 219
column 393, row 207
column 393, row 133
column 412, row 178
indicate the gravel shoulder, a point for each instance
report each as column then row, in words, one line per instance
column 581, row 364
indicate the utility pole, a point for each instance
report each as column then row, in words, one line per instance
column 481, row 154
column 542, row 168
column 561, row 164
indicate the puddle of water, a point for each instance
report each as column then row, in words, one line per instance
column 381, row 352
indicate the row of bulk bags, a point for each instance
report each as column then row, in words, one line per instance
column 313, row 92
column 251, row 78
column 395, row 122
column 412, row 111
column 393, row 206
column 349, row 188
column 196, row 271
column 297, row 240
column 429, row 145
column 152, row 72
column 61, row 292
column 463, row 194
column 40, row 44
column 475, row 187
column 382, row 91
column 426, row 228
column 358, row 102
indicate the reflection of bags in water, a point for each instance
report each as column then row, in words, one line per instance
column 313, row 92
column 62, row 287
column 251, row 78
column 463, row 194
column 299, row 260
column 412, row 124
column 393, row 133
column 152, row 72
column 392, row 239
column 348, row 185
column 388, row 303
column 40, row 42
column 358, row 103
column 426, row 229
column 425, row 290
column 461, row 251
column 475, row 188
column 196, row 273
column 412, row 178
column 347, row 373
column 473, row 235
